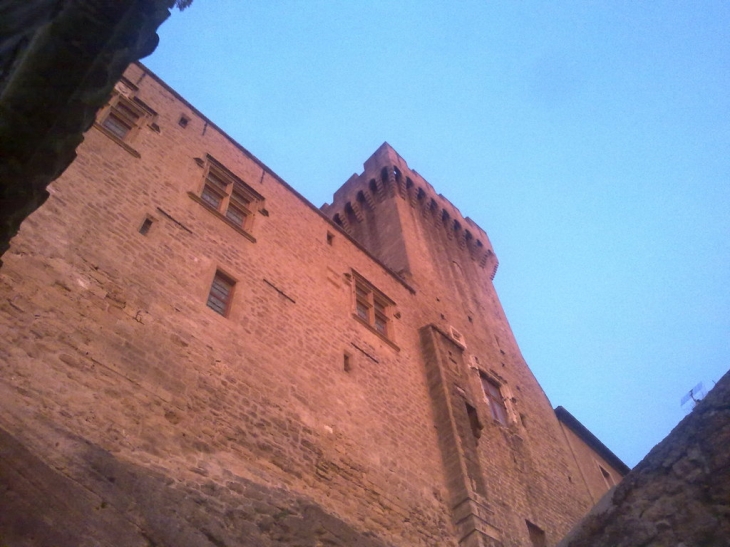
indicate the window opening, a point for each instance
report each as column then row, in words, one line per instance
column 607, row 477
column 146, row 225
column 373, row 307
column 537, row 535
column 495, row 400
column 346, row 361
column 229, row 195
column 474, row 423
column 121, row 119
column 330, row 238
column 221, row 291
column 124, row 116
column 183, row 121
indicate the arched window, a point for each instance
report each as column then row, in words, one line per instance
column 373, row 187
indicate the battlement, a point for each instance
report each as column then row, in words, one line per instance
column 386, row 175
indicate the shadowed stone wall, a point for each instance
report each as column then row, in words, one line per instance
column 94, row 498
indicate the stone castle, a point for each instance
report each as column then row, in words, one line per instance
column 193, row 354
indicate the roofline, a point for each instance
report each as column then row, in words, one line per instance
column 281, row 181
column 591, row 440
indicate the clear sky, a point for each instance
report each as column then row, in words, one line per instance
column 591, row 140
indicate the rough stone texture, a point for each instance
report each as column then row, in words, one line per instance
column 112, row 365
column 59, row 60
column 678, row 495
column 93, row 499
column 591, row 456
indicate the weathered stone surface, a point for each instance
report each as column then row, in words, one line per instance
column 289, row 408
column 678, row 495
column 96, row 499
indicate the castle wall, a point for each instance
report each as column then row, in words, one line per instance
column 108, row 336
column 527, row 471
column 294, row 417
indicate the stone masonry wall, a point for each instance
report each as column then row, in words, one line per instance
column 286, row 421
column 107, row 337
column 588, row 463
column 529, row 471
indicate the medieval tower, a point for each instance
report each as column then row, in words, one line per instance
column 192, row 354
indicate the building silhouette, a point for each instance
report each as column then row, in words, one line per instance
column 194, row 354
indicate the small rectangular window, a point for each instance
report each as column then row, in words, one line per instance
column 474, row 423
column 146, row 225
column 495, row 400
column 373, row 307
column 117, row 125
column 221, row 291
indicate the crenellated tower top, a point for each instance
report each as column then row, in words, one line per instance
column 385, row 185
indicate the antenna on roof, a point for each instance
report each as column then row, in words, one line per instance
column 695, row 395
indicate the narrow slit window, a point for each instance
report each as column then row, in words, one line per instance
column 474, row 423
column 607, row 477
column 221, row 292
column 146, row 225
column 537, row 535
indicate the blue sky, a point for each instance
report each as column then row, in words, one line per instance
column 589, row 139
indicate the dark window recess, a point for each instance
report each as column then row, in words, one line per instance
column 537, row 535
column 346, row 361
column 183, row 121
column 474, row 423
column 330, row 238
column 607, row 477
column 495, row 399
column 221, row 291
column 146, row 225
